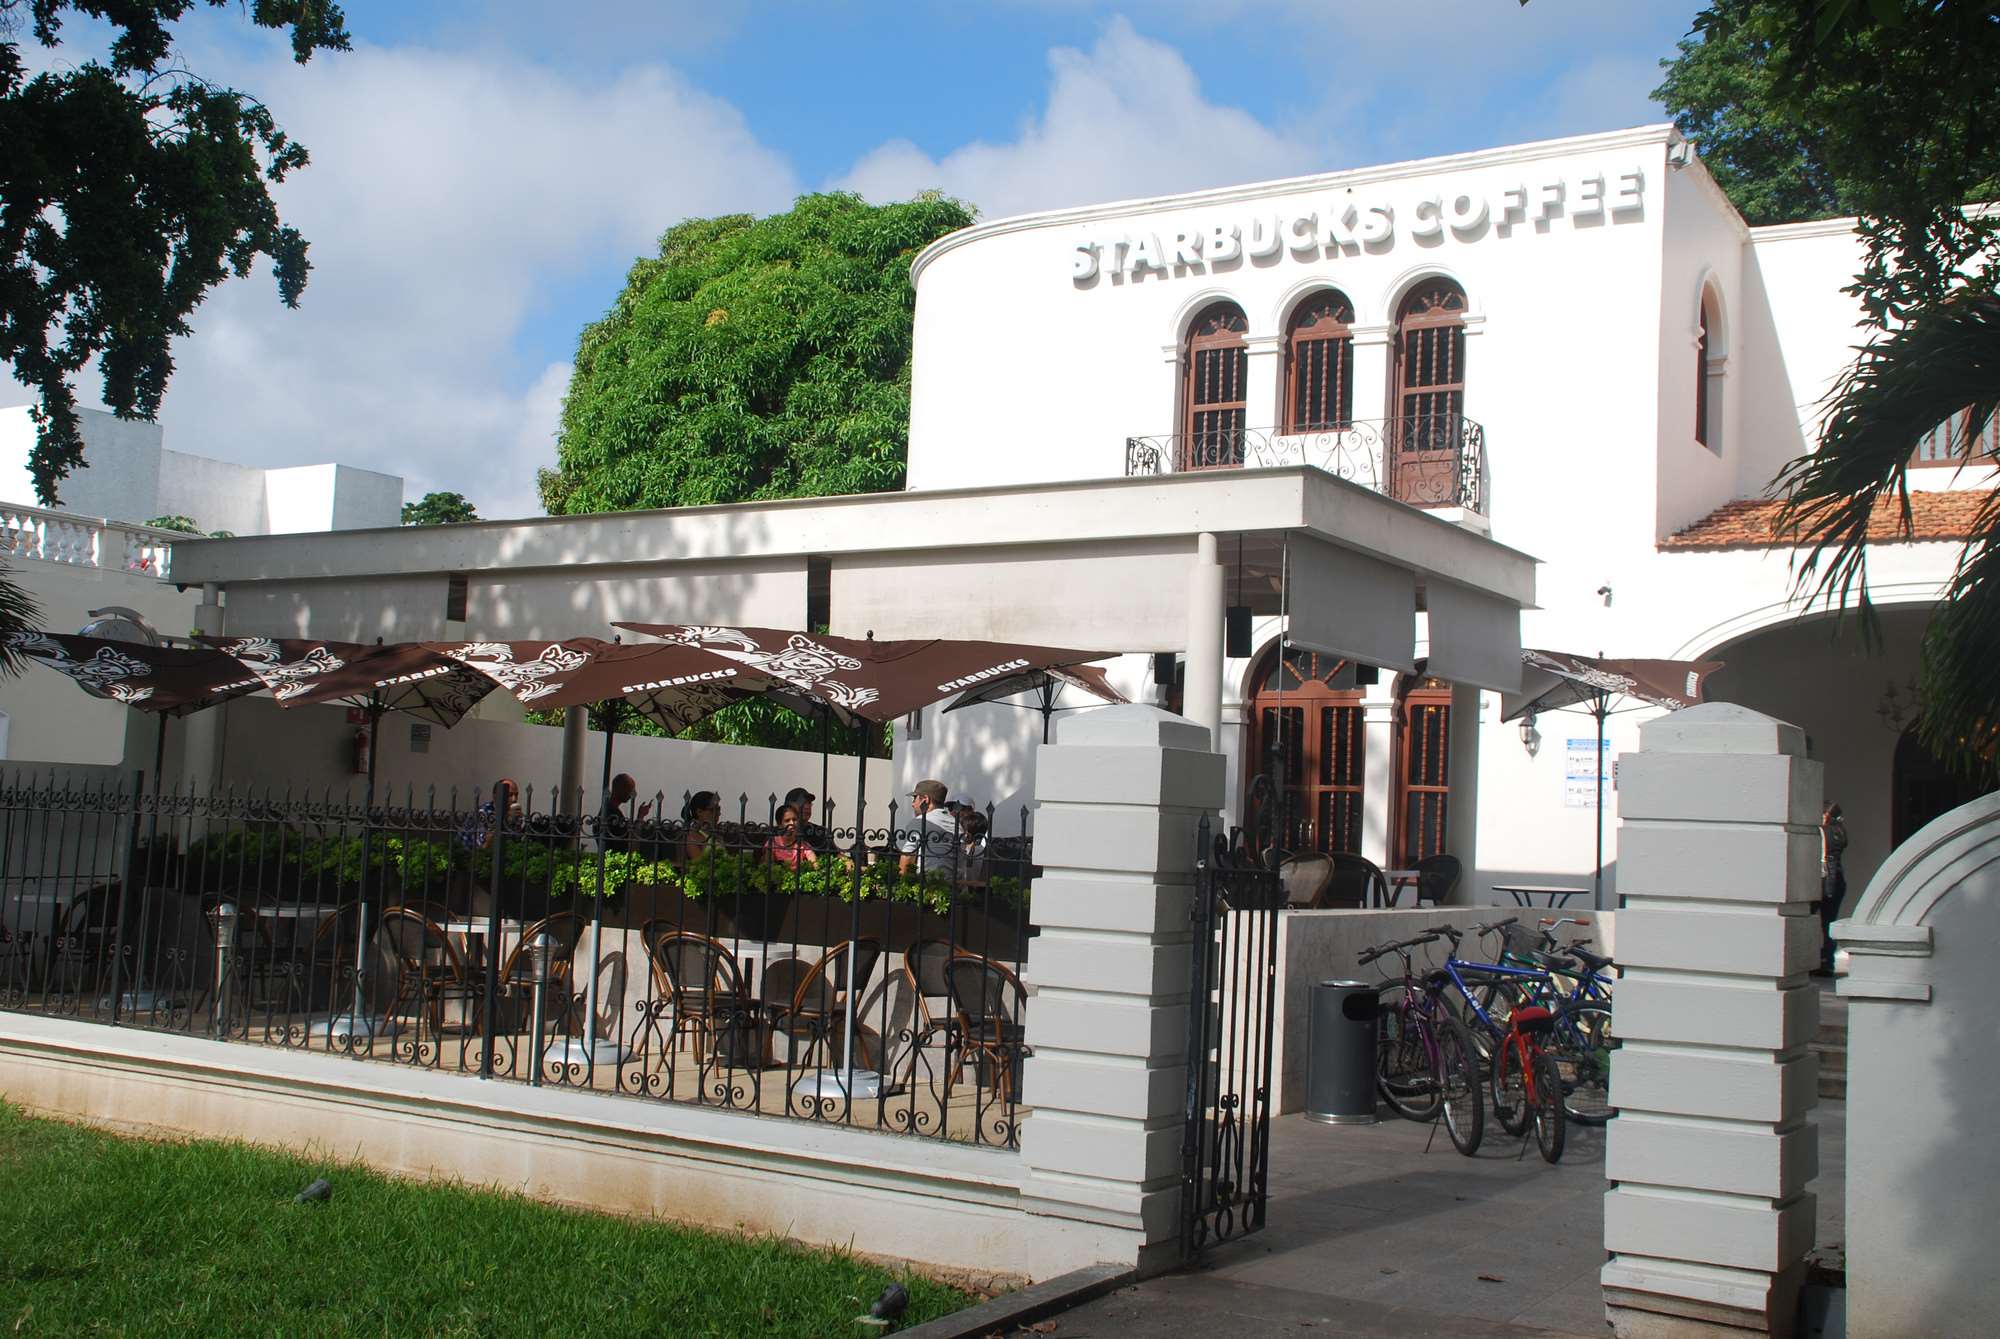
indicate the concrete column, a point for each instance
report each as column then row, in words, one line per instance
column 576, row 738
column 1371, row 384
column 1461, row 836
column 1119, row 797
column 1201, row 695
column 1378, row 770
column 201, row 738
column 1708, row 1219
column 1266, row 366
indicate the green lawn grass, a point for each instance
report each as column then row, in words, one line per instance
column 101, row 1235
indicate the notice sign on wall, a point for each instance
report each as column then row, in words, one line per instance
column 1583, row 762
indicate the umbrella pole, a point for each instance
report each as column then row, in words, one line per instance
column 825, row 745
column 1600, row 709
column 360, row 1020
column 874, row 1081
column 1048, row 708
column 597, row 912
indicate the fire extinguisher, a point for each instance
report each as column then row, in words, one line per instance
column 361, row 747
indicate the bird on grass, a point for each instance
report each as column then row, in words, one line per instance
column 316, row 1193
column 887, row 1309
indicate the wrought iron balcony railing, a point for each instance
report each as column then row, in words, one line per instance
column 1432, row 460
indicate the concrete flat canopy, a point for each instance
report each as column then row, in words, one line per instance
column 1103, row 564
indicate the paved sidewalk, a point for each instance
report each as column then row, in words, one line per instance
column 1370, row 1235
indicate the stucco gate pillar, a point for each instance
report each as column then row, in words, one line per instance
column 1119, row 796
column 1708, row 1218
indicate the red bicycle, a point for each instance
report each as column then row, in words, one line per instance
column 1526, row 1083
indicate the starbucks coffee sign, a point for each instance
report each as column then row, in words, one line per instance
column 1343, row 225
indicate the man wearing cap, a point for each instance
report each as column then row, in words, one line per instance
column 931, row 840
column 810, row 832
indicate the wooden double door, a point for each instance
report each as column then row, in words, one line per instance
column 1308, row 718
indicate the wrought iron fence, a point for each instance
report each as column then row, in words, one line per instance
column 1431, row 460
column 866, row 975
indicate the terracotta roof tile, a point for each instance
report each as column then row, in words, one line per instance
column 1751, row 523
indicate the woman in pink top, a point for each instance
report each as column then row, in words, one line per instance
column 786, row 847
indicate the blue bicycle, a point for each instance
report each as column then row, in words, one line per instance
column 1572, row 984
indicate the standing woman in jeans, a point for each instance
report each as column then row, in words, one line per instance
column 1832, row 883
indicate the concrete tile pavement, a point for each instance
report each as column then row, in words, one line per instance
column 1371, row 1235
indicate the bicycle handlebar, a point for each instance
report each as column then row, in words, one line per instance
column 1492, row 927
column 1370, row 954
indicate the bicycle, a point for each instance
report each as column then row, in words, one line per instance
column 1425, row 1060
column 1581, row 1037
column 1527, row 1088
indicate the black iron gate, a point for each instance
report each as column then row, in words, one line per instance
column 1225, row 1147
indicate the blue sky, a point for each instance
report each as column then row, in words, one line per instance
column 484, row 171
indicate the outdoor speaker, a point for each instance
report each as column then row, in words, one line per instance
column 1163, row 668
column 1236, row 632
column 1366, row 674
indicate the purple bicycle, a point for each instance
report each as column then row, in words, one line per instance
column 1425, row 1062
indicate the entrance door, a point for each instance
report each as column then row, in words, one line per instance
column 1307, row 717
column 1423, row 770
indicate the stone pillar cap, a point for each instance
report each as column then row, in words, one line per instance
column 1133, row 726
column 1721, row 727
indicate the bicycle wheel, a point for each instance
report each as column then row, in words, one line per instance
column 1458, row 1083
column 1508, row 1091
column 1582, row 1045
column 1548, row 1105
column 1402, row 1059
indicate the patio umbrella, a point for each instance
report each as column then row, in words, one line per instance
column 1560, row 680
column 162, row 680
column 675, row 686
column 1046, row 685
column 877, row 682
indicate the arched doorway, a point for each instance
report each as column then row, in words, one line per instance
column 1423, row 770
column 1306, row 738
column 1921, row 788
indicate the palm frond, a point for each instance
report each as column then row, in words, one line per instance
column 1960, row 718
column 19, row 612
column 1931, row 371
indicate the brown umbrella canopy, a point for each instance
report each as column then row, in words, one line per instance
column 878, row 681
column 1552, row 680
column 168, row 680
column 674, row 686
column 402, row 676
column 1086, row 678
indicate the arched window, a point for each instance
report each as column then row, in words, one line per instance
column 1427, row 436
column 1215, row 397
column 1306, row 712
column 1711, row 352
column 1423, row 769
column 1319, row 365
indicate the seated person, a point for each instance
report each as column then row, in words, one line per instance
column 972, row 830
column 618, row 826
column 801, row 799
column 787, row 847
column 931, row 841
column 701, row 813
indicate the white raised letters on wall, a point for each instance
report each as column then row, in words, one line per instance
column 1344, row 226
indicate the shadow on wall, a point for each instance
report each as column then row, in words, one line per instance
column 531, row 591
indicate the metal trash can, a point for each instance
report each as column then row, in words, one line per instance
column 1340, row 1053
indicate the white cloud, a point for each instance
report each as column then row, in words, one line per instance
column 1127, row 118
column 449, row 197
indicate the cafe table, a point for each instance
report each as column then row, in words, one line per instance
column 1554, row 895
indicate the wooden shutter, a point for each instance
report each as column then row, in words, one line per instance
column 1216, row 395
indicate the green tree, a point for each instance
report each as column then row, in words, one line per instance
column 1895, row 115
column 19, row 612
column 751, row 358
column 439, row 509
column 129, row 187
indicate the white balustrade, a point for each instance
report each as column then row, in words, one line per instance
column 40, row 534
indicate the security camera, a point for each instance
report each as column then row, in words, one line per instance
column 1604, row 593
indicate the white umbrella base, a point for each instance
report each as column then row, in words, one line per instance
column 860, row 1084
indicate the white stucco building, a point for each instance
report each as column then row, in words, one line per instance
column 132, row 476
column 1370, row 402
column 1576, row 347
